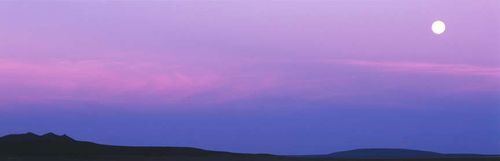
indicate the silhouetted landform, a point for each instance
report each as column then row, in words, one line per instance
column 394, row 153
column 30, row 144
column 32, row 147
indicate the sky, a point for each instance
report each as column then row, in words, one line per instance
column 281, row 77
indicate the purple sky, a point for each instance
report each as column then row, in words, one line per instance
column 283, row 77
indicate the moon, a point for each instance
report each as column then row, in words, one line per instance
column 438, row 27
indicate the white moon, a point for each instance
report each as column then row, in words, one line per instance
column 438, row 27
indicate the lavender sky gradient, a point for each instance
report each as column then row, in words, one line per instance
column 283, row 77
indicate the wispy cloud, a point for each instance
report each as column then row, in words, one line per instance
column 130, row 81
column 98, row 78
column 454, row 69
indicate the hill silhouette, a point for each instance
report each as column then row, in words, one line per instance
column 386, row 153
column 33, row 147
column 31, row 137
column 30, row 144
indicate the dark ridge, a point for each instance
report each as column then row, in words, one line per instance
column 54, row 137
column 31, row 137
column 19, row 137
column 50, row 144
column 385, row 153
column 50, row 134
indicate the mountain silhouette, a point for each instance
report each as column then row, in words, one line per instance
column 53, row 147
column 31, row 137
column 30, row 144
column 386, row 153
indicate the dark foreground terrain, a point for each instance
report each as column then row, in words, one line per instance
column 51, row 147
column 214, row 158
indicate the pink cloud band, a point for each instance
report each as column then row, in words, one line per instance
column 97, row 79
column 455, row 69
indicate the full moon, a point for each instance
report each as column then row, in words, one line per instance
column 438, row 27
